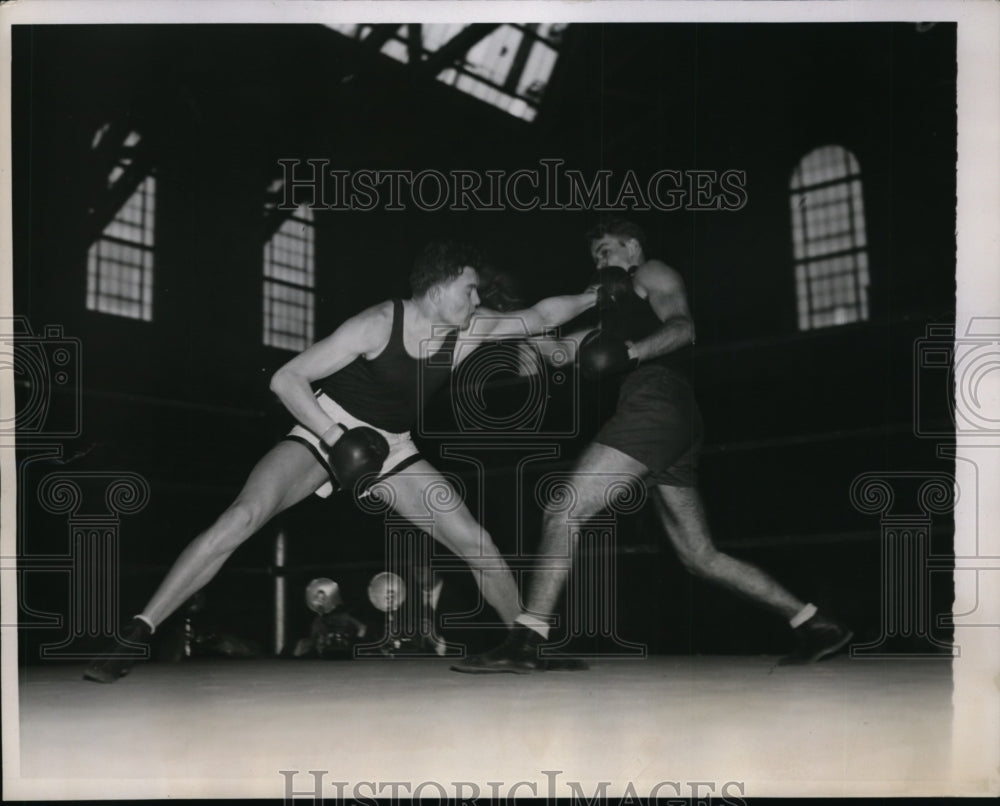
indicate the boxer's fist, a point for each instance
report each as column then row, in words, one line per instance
column 603, row 353
column 613, row 285
column 358, row 452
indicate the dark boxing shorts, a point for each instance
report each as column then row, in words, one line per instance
column 657, row 422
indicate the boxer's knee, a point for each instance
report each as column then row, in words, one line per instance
column 242, row 518
column 701, row 560
column 463, row 535
column 699, row 555
column 578, row 497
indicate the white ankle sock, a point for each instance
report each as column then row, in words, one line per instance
column 533, row 623
column 803, row 615
column 146, row 621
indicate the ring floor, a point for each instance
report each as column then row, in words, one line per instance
column 220, row 728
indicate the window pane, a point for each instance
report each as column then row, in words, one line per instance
column 828, row 239
column 120, row 262
column 289, row 270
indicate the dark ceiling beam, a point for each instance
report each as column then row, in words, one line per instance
column 414, row 42
column 104, row 157
column 108, row 204
column 454, row 48
column 274, row 217
column 107, row 151
column 378, row 36
column 520, row 60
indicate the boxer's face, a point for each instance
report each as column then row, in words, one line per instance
column 613, row 250
column 459, row 298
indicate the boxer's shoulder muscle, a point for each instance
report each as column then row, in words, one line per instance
column 655, row 275
column 371, row 328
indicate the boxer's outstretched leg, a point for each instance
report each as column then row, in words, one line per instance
column 600, row 473
column 683, row 518
column 420, row 492
column 283, row 477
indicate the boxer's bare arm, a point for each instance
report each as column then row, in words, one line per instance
column 664, row 289
column 548, row 313
column 365, row 334
column 486, row 325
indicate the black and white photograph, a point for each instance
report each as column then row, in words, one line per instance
column 479, row 401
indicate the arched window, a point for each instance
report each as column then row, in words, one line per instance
column 289, row 280
column 828, row 235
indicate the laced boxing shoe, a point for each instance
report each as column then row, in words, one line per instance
column 818, row 638
column 518, row 654
column 120, row 655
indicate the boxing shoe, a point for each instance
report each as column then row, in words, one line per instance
column 818, row 638
column 518, row 654
column 118, row 658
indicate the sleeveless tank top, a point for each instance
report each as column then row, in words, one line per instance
column 633, row 318
column 389, row 390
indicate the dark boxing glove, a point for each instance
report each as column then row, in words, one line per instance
column 498, row 292
column 359, row 451
column 613, row 285
column 603, row 353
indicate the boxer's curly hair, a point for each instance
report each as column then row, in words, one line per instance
column 441, row 261
column 619, row 228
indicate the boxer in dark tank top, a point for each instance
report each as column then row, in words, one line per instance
column 654, row 437
column 372, row 375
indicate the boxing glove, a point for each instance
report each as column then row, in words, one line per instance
column 498, row 292
column 603, row 353
column 359, row 451
column 613, row 285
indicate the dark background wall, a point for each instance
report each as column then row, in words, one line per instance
column 793, row 418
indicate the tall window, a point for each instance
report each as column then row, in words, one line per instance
column 828, row 233
column 120, row 261
column 289, row 280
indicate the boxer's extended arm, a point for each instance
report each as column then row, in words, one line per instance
column 664, row 289
column 555, row 311
column 364, row 334
column 559, row 349
column 546, row 314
